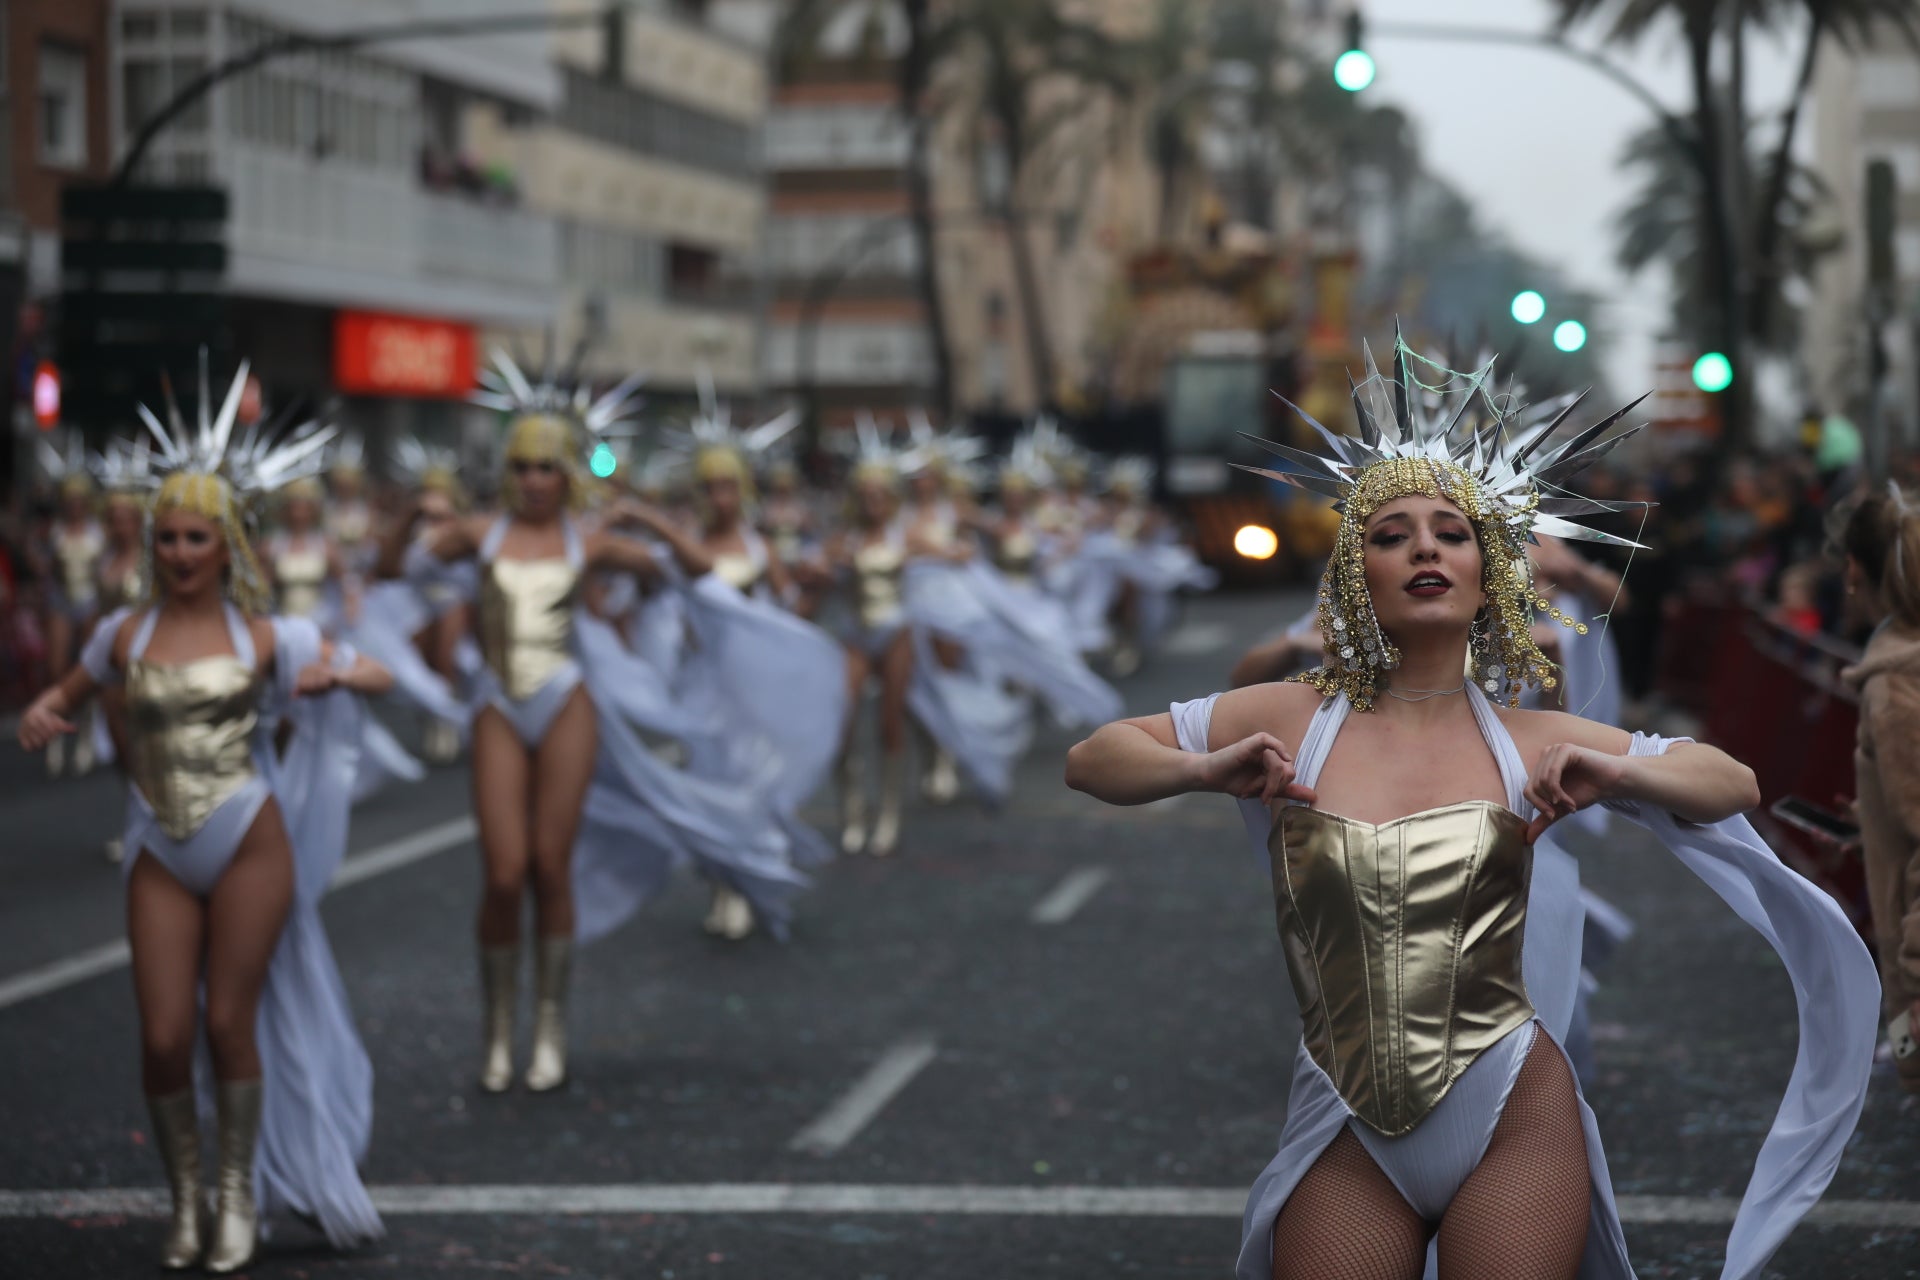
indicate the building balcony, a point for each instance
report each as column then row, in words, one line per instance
column 348, row 236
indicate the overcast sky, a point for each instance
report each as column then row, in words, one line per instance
column 1533, row 136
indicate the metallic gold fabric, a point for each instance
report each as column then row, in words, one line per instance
column 117, row 589
column 189, row 727
column 74, row 555
column 1403, row 942
column 1016, row 554
column 739, row 571
column 526, row 621
column 299, row 577
column 879, row 566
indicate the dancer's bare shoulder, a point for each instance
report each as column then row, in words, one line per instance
column 1280, row 707
column 1534, row 731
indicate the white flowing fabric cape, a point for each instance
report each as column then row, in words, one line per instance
column 972, row 711
column 1835, row 985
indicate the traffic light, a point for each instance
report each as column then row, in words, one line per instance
column 1353, row 70
column 603, row 463
column 1713, row 372
column 1570, row 335
column 1528, row 306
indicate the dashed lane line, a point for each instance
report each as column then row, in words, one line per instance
column 1070, row 895
column 919, row 1199
column 856, row 1108
column 108, row 956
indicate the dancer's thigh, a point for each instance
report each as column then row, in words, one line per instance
column 562, row 771
column 1522, row 1214
column 502, row 800
column 245, row 915
column 166, row 932
column 1346, row 1221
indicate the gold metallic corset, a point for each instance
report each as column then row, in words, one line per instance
column 1403, row 942
column 299, row 576
column 189, row 727
column 349, row 523
column 1016, row 554
column 526, row 621
column 75, row 555
column 879, row 567
column 117, row 589
column 739, row 571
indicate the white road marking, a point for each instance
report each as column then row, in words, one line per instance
column 109, row 956
column 846, row 1198
column 856, row 1108
column 1070, row 895
column 1197, row 639
column 90, row 963
column 406, row 851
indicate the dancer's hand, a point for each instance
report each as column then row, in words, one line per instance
column 316, row 679
column 1258, row 767
column 1568, row 778
column 42, row 724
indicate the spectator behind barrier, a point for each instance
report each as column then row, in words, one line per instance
column 1882, row 545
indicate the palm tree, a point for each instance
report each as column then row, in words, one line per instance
column 1661, row 224
column 1751, row 258
column 1029, row 74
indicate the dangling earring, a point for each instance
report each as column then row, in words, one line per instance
column 1480, row 656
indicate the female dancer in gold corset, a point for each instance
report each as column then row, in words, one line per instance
column 74, row 546
column 302, row 560
column 872, row 550
column 535, row 739
column 224, row 870
column 1427, row 1105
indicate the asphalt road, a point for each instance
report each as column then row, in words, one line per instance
column 995, row 1096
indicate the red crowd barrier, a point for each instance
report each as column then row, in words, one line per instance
column 1775, row 700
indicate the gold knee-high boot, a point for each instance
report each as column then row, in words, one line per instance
column 499, row 992
column 552, row 964
column 236, row 1220
column 853, row 801
column 176, row 1131
column 886, row 827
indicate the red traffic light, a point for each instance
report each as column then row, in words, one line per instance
column 46, row 395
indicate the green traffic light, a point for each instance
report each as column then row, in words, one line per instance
column 1713, row 372
column 1353, row 70
column 603, row 462
column 1570, row 335
column 1528, row 306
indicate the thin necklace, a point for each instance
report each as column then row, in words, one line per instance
column 1425, row 694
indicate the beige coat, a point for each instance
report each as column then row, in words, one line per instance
column 1886, row 765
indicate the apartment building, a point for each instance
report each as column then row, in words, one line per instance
column 1866, row 108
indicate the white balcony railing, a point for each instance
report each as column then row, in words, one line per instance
column 336, row 234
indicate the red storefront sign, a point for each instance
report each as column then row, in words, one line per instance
column 383, row 355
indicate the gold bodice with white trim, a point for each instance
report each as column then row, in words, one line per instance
column 526, row 621
column 1403, row 942
column 878, row 570
column 189, row 736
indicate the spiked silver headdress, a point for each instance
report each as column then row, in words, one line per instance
column 209, row 471
column 1503, row 465
column 717, row 448
column 937, row 450
column 555, row 421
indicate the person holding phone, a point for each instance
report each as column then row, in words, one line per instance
column 1882, row 545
